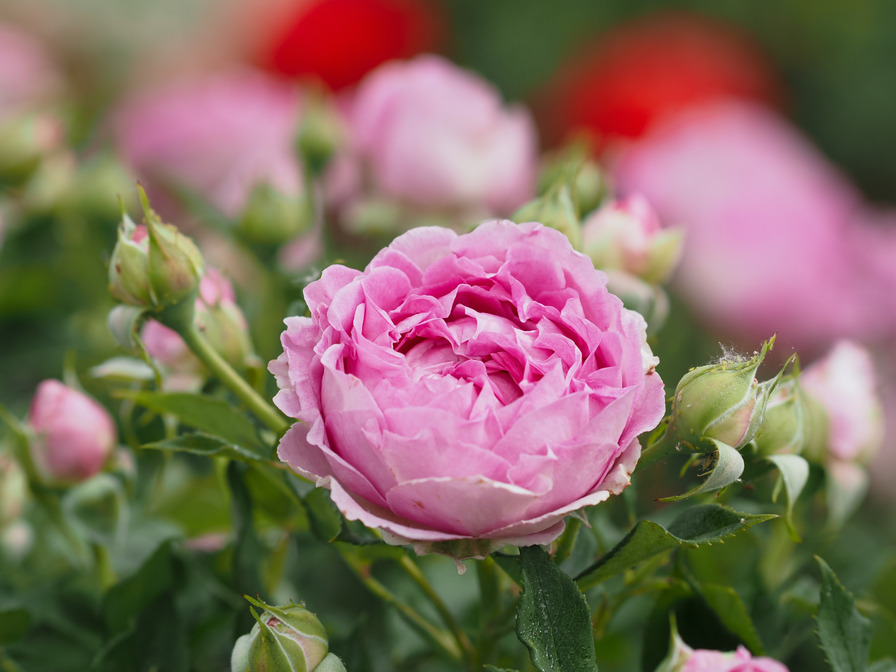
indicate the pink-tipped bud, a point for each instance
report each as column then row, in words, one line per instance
column 625, row 235
column 74, row 435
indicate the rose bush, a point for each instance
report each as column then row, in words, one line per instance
column 465, row 392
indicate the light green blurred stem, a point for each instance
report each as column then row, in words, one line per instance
column 567, row 539
column 265, row 412
column 447, row 617
column 438, row 636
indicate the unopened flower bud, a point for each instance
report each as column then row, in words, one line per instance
column 25, row 140
column 128, row 279
column 272, row 218
column 785, row 429
column 722, row 401
column 626, row 235
column 284, row 638
column 74, row 435
column 321, row 133
column 555, row 209
column 154, row 266
column 588, row 183
column 13, row 489
column 849, row 409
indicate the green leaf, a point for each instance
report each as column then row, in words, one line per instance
column 132, row 595
column 199, row 443
column 695, row 526
column 794, row 475
column 492, row 668
column 207, row 414
column 844, row 634
column 14, row 623
column 247, row 548
column 728, row 467
column 553, row 619
column 733, row 614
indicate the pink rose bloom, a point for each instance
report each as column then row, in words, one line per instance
column 27, row 73
column 75, row 435
column 766, row 218
column 217, row 137
column 704, row 660
column 845, row 384
column 466, row 392
column 430, row 134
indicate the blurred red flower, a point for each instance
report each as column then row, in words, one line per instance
column 646, row 70
column 339, row 41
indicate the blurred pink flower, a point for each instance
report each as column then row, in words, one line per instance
column 466, row 392
column 74, row 435
column 845, row 384
column 218, row 137
column 772, row 241
column 429, row 134
column 27, row 72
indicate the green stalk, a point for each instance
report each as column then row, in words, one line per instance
column 438, row 636
column 567, row 539
column 463, row 642
column 265, row 412
column 489, row 609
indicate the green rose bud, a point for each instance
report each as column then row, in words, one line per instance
column 785, row 429
column 291, row 639
column 128, row 279
column 272, row 218
column 321, row 133
column 722, row 401
column 175, row 263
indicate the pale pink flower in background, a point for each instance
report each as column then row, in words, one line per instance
column 705, row 660
column 74, row 434
column 217, row 137
column 431, row 135
column 626, row 235
column 845, row 384
column 771, row 242
column 466, row 392
column 28, row 75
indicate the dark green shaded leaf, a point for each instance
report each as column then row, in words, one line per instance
column 207, row 414
column 247, row 549
column 553, row 619
column 695, row 526
column 14, row 623
column 844, row 634
column 198, row 443
column 732, row 612
column 326, row 523
column 132, row 595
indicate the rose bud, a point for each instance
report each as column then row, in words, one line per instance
column 272, row 217
column 154, row 266
column 219, row 318
column 787, row 425
column 706, row 660
column 13, row 489
column 284, row 638
column 465, row 392
column 721, row 401
column 844, row 386
column 556, row 209
column 589, row 185
column 74, row 435
column 625, row 235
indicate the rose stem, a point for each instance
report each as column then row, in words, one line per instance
column 437, row 635
column 459, row 635
column 265, row 412
column 490, row 609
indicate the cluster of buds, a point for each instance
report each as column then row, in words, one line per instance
column 284, row 638
column 154, row 267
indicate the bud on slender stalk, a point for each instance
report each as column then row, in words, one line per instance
column 284, row 638
column 721, row 401
column 74, row 435
column 272, row 218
